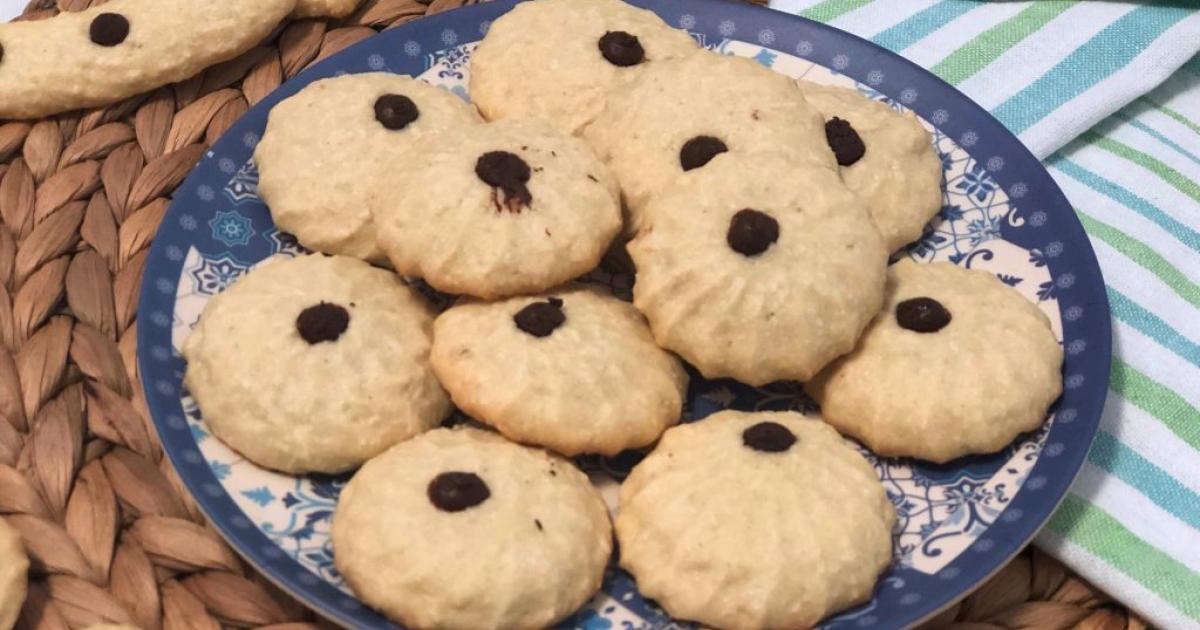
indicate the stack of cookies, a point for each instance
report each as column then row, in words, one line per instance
column 760, row 215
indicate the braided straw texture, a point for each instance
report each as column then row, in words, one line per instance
column 112, row 534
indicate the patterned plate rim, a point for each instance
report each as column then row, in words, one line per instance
column 859, row 59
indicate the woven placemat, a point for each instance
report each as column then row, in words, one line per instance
column 113, row 535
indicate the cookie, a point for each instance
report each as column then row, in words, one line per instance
column 125, row 47
column 314, row 364
column 956, row 363
column 14, row 566
column 333, row 146
column 679, row 114
column 557, row 60
column 461, row 529
column 885, row 156
column 325, row 8
column 511, row 207
column 745, row 521
column 758, row 269
column 591, row 379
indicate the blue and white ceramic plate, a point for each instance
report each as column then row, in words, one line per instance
column 958, row 523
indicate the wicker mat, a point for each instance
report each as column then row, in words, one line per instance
column 111, row 531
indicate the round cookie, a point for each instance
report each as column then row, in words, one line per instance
column 461, row 529
column 678, row 114
column 102, row 54
column 745, row 521
column 885, row 156
column 511, row 207
column 324, row 8
column 314, row 364
column 758, row 269
column 333, row 146
column 14, row 567
column 956, row 363
column 576, row 371
column 557, row 60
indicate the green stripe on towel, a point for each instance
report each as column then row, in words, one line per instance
column 1106, row 538
column 983, row 50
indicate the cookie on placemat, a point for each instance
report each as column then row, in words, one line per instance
column 886, row 156
column 500, row 209
column 678, row 114
column 956, row 363
column 325, row 8
column 333, row 146
column 745, row 521
column 758, row 269
column 575, row 370
column 314, row 364
column 461, row 529
column 121, row 48
column 557, row 60
column 14, row 565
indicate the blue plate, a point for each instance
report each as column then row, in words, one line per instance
column 957, row 523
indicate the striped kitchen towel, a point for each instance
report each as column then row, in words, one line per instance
column 1131, row 523
column 1106, row 94
column 1049, row 70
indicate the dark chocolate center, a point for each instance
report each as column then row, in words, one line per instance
column 768, row 437
column 541, row 318
column 847, row 146
column 506, row 172
column 621, row 48
column 751, row 232
column 322, row 322
column 699, row 151
column 109, row 29
column 922, row 314
column 395, row 111
column 457, row 491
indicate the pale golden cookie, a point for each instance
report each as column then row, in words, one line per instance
column 333, row 147
column 325, row 8
column 956, row 363
column 506, row 208
column 122, row 48
column 314, row 364
column 557, row 60
column 574, row 370
column 745, row 521
column 758, row 269
column 885, row 156
column 678, row 114
column 459, row 529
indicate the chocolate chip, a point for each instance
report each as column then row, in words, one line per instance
column 322, row 322
column 109, row 29
column 457, row 491
column 768, row 437
column 541, row 318
column 395, row 111
column 699, row 151
column 621, row 48
column 506, row 172
column 847, row 146
column 751, row 232
column 923, row 315
column 539, row 525
column 1, row 52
